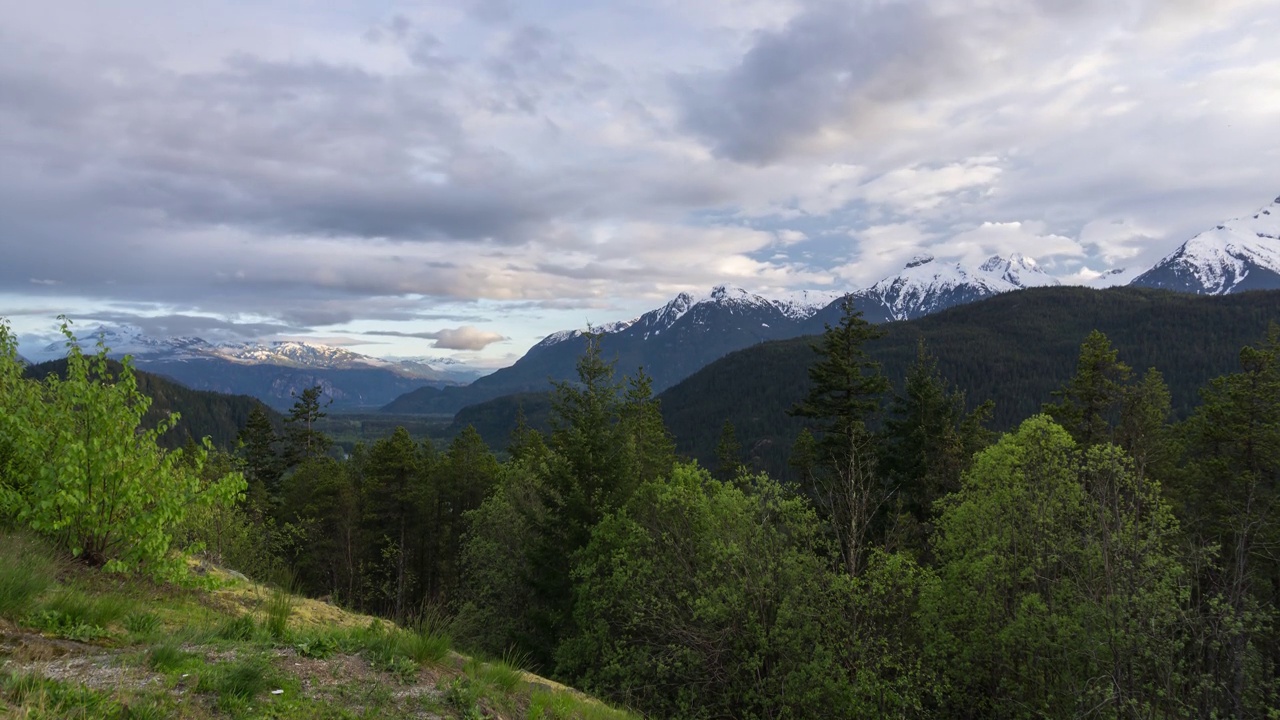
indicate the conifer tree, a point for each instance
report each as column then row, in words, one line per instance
column 846, row 391
column 303, row 441
column 928, row 439
column 728, row 454
column 262, row 462
column 1089, row 402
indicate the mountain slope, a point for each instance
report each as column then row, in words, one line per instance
column 682, row 336
column 1239, row 255
column 1014, row 349
column 669, row 342
column 216, row 415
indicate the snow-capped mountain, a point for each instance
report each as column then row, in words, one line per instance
column 734, row 301
column 1238, row 255
column 669, row 342
column 130, row 340
column 271, row 371
column 926, row 286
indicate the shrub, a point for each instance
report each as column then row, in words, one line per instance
column 79, row 468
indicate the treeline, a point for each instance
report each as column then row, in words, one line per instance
column 1103, row 558
column 1098, row 560
column 203, row 414
column 1012, row 349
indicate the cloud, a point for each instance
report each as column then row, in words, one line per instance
column 460, row 338
column 515, row 163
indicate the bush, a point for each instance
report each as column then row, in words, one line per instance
column 79, row 468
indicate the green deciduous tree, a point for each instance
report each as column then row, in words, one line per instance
column 1060, row 592
column 92, row 477
column 694, row 600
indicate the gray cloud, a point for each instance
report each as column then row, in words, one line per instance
column 460, row 338
column 515, row 161
column 209, row 328
column 794, row 81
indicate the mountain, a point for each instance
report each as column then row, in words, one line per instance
column 927, row 286
column 1238, row 255
column 669, row 342
column 274, row 372
column 688, row 332
column 1014, row 349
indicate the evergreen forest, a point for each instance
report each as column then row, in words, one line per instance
column 1103, row 545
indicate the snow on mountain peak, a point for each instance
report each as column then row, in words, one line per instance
column 1219, row 260
column 921, row 259
column 1018, row 270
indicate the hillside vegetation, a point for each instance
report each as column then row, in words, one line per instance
column 1103, row 557
column 104, row 613
column 1012, row 350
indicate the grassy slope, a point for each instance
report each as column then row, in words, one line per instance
column 75, row 643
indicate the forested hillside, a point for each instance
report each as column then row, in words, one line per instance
column 202, row 413
column 1104, row 557
column 1011, row 349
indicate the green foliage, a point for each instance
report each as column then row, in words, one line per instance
column 1230, row 493
column 688, row 599
column 92, row 478
column 1057, row 568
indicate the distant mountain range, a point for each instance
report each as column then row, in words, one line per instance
column 687, row 333
column 673, row 341
column 274, row 372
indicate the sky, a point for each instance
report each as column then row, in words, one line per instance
column 458, row 179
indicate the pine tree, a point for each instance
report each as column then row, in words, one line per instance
column 929, row 440
column 846, row 390
column 1089, row 402
column 258, row 441
column 728, row 454
column 302, row 440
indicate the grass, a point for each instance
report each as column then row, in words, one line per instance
column 238, row 628
column 221, row 651
column 280, row 605
column 27, row 570
column 168, row 657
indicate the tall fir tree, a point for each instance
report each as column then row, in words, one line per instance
column 302, row 439
column 846, row 390
column 1088, row 405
